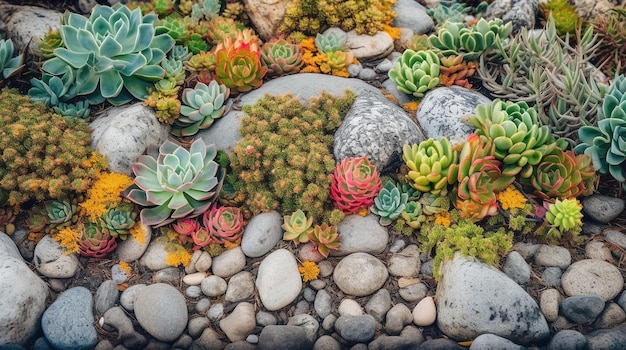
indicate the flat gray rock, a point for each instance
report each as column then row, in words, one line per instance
column 68, row 324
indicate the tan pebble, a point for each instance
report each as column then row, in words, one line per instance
column 406, row 281
column 425, row 312
column 194, row 279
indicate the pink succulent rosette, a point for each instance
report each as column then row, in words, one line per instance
column 185, row 228
column 355, row 184
column 201, row 238
column 223, row 223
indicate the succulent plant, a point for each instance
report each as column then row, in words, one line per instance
column 52, row 90
column 174, row 70
column 118, row 222
column 95, row 242
column 221, row 27
column 180, row 53
column 453, row 38
column 205, row 9
column 413, row 215
column 281, row 57
column 454, row 71
column 606, row 142
column 450, row 11
column 175, row 183
column 297, row 227
column 419, row 42
column 566, row 19
column 433, row 204
column 355, row 184
column 163, row 7
column 114, row 54
column 331, row 41
column 196, row 44
column 325, row 238
column 225, row 224
column 565, row 214
column 200, row 107
column 78, row 110
column 174, row 26
column 201, row 62
column 428, row 164
column 240, row 70
column 46, row 45
column 59, row 212
column 242, row 38
column 416, row 72
column 9, row 65
column 479, row 178
column 561, row 175
column 515, row 131
column 186, row 226
column 389, row 203
column 610, row 28
column 201, row 238
column 7, row 219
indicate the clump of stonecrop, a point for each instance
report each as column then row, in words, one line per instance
column 606, row 142
column 331, row 62
column 43, row 156
column 284, row 160
column 564, row 218
column 566, row 19
column 355, row 185
column 310, row 17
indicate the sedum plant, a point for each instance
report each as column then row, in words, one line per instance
column 389, row 203
column 428, row 163
column 200, row 107
column 479, row 179
column 566, row 215
column 518, row 138
column 9, row 64
column 175, row 183
column 113, row 55
column 416, row 72
column 224, row 224
column 297, row 227
column 281, row 57
column 606, row 142
column 239, row 69
column 356, row 182
column 325, row 238
column 411, row 218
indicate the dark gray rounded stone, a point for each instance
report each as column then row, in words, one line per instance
column 275, row 337
column 568, row 339
column 607, row 339
column 356, row 329
column 583, row 308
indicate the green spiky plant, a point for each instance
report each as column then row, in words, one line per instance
column 44, row 156
column 284, row 160
column 610, row 55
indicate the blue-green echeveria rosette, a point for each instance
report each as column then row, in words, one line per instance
column 389, row 203
column 114, row 53
column 606, row 143
column 177, row 183
column 200, row 107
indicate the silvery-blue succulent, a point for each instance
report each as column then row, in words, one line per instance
column 114, row 54
column 389, row 203
column 200, row 107
column 175, row 183
column 9, row 65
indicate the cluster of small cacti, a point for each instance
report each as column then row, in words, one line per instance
column 284, row 161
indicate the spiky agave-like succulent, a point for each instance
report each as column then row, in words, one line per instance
column 606, row 142
column 479, row 178
column 428, row 163
column 200, row 107
column 297, row 227
column 325, row 238
column 95, row 241
column 281, row 57
column 416, row 72
column 515, row 131
column 239, row 69
column 114, row 54
column 175, row 183
column 224, row 224
column 561, row 175
column 354, row 185
column 389, row 203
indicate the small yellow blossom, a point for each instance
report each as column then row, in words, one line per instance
column 511, row 198
column 124, row 266
column 106, row 192
column 68, row 239
column 177, row 255
column 309, row 271
column 411, row 106
column 443, row 218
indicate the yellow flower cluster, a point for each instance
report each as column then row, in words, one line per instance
column 309, row 271
column 105, row 193
column 68, row 239
column 231, row 245
column 177, row 255
column 319, row 62
column 511, row 198
column 137, row 231
column 443, row 218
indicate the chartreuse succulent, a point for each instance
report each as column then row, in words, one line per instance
column 389, row 203
column 9, row 64
column 565, row 217
column 356, row 182
column 200, row 107
column 175, row 183
column 411, row 218
column 428, row 163
column 416, row 72
column 281, row 57
column 454, row 38
column 519, row 140
column 297, row 227
column 479, row 179
column 113, row 55
column 606, row 142
column 325, row 237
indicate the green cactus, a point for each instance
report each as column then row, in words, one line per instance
column 416, row 72
column 389, row 203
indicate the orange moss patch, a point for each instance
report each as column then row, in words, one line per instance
column 68, row 239
column 138, row 233
column 443, row 219
column 106, row 192
column 124, row 266
column 394, row 33
column 511, row 198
